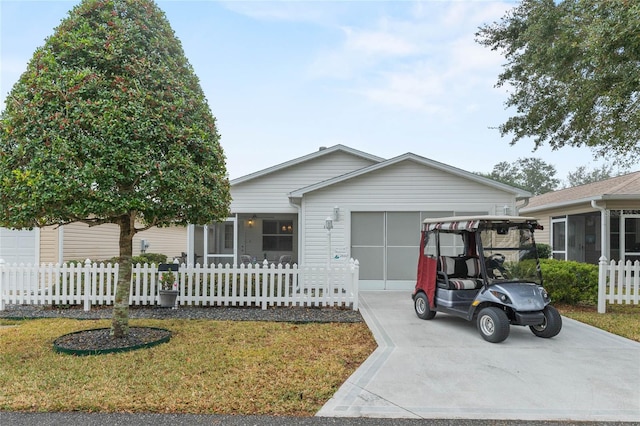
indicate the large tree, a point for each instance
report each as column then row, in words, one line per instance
column 572, row 69
column 530, row 174
column 109, row 124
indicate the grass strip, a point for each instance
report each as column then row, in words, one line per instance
column 623, row 320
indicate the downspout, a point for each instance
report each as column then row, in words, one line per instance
column 61, row 244
column 604, row 236
column 523, row 205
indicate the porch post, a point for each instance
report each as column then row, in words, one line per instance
column 604, row 227
column 190, row 243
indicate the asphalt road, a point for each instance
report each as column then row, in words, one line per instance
column 101, row 419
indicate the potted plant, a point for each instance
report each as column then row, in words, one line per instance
column 168, row 289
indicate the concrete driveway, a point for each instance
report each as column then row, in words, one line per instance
column 443, row 369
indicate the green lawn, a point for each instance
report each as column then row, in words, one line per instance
column 221, row 367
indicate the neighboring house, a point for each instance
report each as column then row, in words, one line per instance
column 576, row 219
column 78, row 241
column 20, row 246
column 375, row 208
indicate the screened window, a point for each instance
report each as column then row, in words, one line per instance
column 228, row 236
column 277, row 235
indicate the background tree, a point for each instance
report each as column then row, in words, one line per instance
column 582, row 175
column 109, row 124
column 572, row 70
column 530, row 174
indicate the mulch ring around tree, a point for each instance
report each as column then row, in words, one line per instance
column 99, row 341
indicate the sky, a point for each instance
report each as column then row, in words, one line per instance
column 284, row 78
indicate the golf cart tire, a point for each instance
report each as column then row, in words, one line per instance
column 421, row 305
column 552, row 323
column 493, row 324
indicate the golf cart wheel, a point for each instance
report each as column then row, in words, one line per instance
column 421, row 305
column 493, row 324
column 552, row 323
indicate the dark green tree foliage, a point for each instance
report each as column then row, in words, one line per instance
column 582, row 175
column 573, row 74
column 109, row 124
column 530, row 174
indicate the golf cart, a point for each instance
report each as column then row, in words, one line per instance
column 484, row 269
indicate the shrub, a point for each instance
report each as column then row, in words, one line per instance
column 150, row 258
column 544, row 250
column 570, row 282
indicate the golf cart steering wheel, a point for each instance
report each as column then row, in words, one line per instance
column 495, row 266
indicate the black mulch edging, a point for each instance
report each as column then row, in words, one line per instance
column 99, row 341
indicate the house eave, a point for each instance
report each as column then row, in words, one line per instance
column 303, row 159
column 518, row 193
column 585, row 200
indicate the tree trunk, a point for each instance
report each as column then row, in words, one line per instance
column 120, row 320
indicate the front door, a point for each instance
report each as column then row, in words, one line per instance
column 215, row 243
column 575, row 238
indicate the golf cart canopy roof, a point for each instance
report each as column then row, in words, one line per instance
column 471, row 223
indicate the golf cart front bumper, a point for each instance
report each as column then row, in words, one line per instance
column 528, row 318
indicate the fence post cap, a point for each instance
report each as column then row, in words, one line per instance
column 87, row 262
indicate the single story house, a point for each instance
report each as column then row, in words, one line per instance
column 339, row 203
column 586, row 222
column 329, row 206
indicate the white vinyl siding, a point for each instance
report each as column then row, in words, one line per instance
column 406, row 186
column 268, row 193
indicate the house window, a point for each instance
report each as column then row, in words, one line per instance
column 277, row 235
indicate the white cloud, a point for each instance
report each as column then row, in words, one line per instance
column 427, row 60
column 377, row 43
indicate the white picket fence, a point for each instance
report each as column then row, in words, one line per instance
column 618, row 283
column 260, row 285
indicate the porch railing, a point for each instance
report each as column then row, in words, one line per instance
column 618, row 282
column 260, row 285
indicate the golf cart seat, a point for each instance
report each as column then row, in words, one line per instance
column 459, row 273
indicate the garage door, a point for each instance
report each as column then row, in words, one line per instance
column 18, row 246
column 386, row 245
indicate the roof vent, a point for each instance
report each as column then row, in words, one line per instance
column 322, row 148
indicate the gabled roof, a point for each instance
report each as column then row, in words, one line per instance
column 617, row 188
column 519, row 193
column 321, row 152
